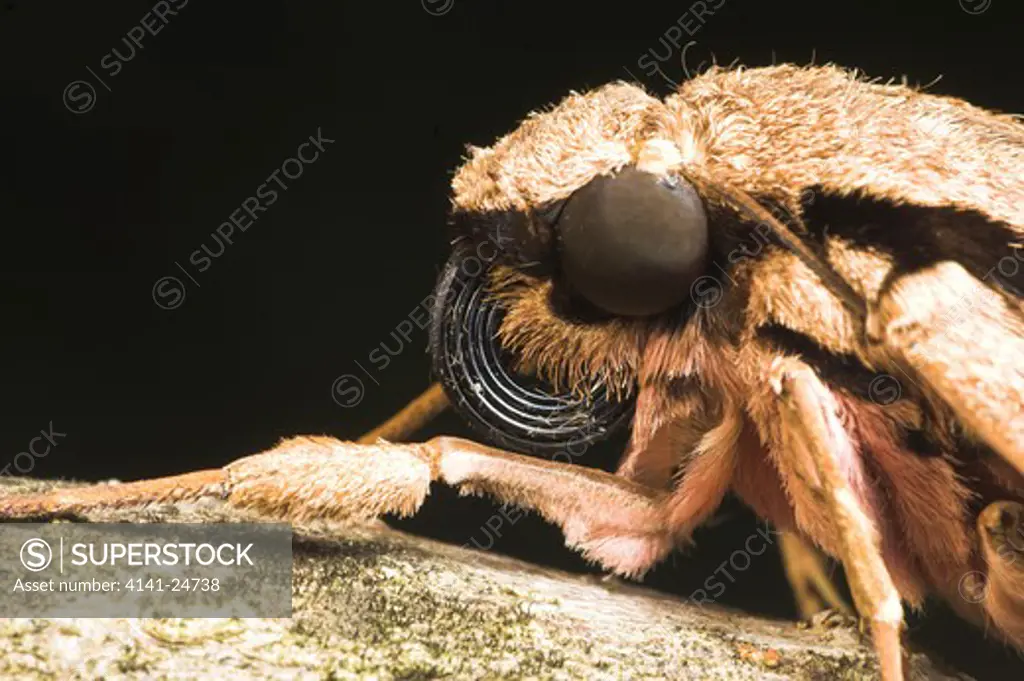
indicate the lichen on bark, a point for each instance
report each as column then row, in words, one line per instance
column 372, row 602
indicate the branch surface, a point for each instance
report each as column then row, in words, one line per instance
column 371, row 602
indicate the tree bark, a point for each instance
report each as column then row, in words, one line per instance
column 372, row 602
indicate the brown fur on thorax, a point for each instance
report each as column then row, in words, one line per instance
column 744, row 128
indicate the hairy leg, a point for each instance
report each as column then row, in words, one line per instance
column 211, row 483
column 809, row 417
column 679, row 447
column 615, row 522
column 413, row 416
column 806, row 571
column 665, row 428
column 673, row 430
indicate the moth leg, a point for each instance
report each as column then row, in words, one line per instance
column 806, row 572
column 808, row 414
column 413, row 416
column 210, row 483
column 612, row 521
column 966, row 342
column 615, row 522
column 1001, row 529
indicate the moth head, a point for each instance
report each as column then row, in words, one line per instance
column 573, row 235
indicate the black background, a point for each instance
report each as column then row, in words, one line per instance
column 99, row 205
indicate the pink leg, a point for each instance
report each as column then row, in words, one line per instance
column 413, row 416
column 658, row 443
column 615, row 522
column 675, row 436
column 758, row 484
column 705, row 480
column 820, row 446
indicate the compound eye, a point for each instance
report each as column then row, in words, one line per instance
column 633, row 243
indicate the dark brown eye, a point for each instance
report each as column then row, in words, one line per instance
column 633, row 243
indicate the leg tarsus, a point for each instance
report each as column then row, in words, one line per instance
column 808, row 411
column 207, row 484
column 413, row 416
column 813, row 589
column 302, row 478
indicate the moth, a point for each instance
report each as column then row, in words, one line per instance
column 788, row 282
